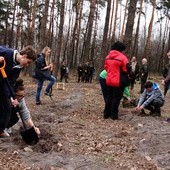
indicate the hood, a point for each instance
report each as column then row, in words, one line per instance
column 113, row 54
column 155, row 86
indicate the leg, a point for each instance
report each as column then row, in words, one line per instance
column 117, row 95
column 51, row 80
column 108, row 104
column 103, row 87
column 5, row 110
column 38, row 92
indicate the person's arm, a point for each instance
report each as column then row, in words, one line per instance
column 25, row 113
column 127, row 93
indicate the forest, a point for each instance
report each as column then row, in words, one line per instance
column 83, row 30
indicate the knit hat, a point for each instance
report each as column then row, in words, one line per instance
column 118, row 46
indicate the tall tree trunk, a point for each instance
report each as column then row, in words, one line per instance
column 129, row 26
column 104, row 42
column 147, row 45
column 60, row 38
column 115, row 22
column 135, row 46
column 89, row 30
column 43, row 37
column 124, row 19
column 11, row 37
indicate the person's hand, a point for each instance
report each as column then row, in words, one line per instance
column 1, row 59
column 37, row 130
column 15, row 102
column 51, row 67
column 163, row 82
column 138, row 108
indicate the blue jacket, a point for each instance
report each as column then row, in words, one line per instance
column 146, row 98
column 11, row 70
column 39, row 64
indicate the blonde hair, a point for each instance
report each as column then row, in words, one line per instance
column 45, row 49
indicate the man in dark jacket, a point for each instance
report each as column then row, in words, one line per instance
column 117, row 67
column 15, row 61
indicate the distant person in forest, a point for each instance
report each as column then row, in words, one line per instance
column 166, row 75
column 63, row 72
column 91, row 72
column 143, row 72
column 117, row 67
column 134, row 73
column 80, row 73
column 42, row 71
column 152, row 99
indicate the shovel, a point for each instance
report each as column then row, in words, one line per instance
column 28, row 135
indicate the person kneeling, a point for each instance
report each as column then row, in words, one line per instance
column 22, row 108
column 152, row 99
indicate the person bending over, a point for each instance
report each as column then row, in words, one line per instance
column 152, row 99
column 22, row 108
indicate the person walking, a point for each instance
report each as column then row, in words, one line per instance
column 42, row 72
column 117, row 68
column 15, row 61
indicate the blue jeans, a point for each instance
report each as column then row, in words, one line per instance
column 51, row 80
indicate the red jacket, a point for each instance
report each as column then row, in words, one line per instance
column 116, row 67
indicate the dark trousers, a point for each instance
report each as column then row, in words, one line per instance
column 103, row 88
column 166, row 87
column 155, row 106
column 143, row 81
column 5, row 109
column 113, row 101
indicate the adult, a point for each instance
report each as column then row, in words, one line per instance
column 80, row 73
column 151, row 99
column 143, row 74
column 15, row 61
column 42, row 71
column 166, row 74
column 134, row 73
column 117, row 68
column 19, row 92
column 64, row 72
column 102, row 81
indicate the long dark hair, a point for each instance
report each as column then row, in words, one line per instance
column 19, row 85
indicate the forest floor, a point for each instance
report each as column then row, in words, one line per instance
column 74, row 135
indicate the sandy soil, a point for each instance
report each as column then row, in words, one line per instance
column 74, row 135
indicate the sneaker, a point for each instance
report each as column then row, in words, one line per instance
column 48, row 94
column 8, row 130
column 38, row 103
column 4, row 135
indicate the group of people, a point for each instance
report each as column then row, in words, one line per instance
column 85, row 73
column 12, row 89
column 119, row 78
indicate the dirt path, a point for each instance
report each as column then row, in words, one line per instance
column 74, row 135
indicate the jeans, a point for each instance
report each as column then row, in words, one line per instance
column 51, row 80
